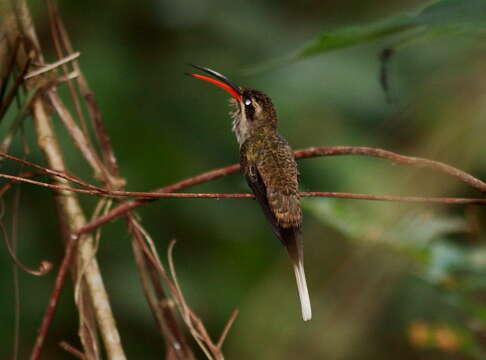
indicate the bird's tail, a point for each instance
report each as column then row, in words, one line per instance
column 303, row 292
column 292, row 239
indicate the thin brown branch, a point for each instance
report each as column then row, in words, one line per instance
column 7, row 186
column 188, row 315
column 227, row 328
column 394, row 158
column 164, row 314
column 5, row 104
column 80, row 139
column 52, row 186
column 300, row 154
column 107, row 151
column 56, row 293
column 53, row 16
column 408, row 199
column 142, row 196
column 169, row 191
column 44, row 266
column 72, row 350
column 70, row 212
column 199, row 179
column 60, row 174
column 88, row 331
column 54, row 65
column 15, row 270
column 7, row 71
column 193, row 322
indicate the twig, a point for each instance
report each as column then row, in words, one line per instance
column 52, row 66
column 409, row 199
column 157, row 195
column 81, row 141
column 164, row 314
column 53, row 16
column 44, row 266
column 197, row 331
column 8, row 70
column 72, row 350
column 195, row 325
column 394, row 158
column 66, row 78
column 87, row 320
column 53, row 186
column 300, row 154
column 5, row 104
column 7, row 186
column 60, row 174
column 51, row 309
column 90, row 99
column 169, row 191
column 227, row 328
column 16, row 124
column 71, row 214
column 15, row 269
column 199, row 179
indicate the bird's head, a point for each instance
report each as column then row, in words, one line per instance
column 252, row 111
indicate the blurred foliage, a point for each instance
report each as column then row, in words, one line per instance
column 442, row 17
column 385, row 278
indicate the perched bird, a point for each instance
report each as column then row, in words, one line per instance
column 268, row 164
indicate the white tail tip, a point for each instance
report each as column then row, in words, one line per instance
column 303, row 292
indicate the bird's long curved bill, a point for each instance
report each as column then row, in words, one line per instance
column 221, row 81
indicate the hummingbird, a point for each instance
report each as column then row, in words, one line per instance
column 270, row 169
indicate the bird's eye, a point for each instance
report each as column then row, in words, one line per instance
column 247, row 102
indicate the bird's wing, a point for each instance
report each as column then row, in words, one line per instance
column 278, row 171
column 254, row 180
column 273, row 177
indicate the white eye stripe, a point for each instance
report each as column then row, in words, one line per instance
column 247, row 102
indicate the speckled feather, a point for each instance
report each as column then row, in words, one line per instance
column 268, row 158
column 271, row 172
column 268, row 164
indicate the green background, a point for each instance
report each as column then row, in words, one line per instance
column 376, row 271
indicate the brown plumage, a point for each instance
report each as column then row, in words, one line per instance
column 269, row 166
column 268, row 163
column 266, row 157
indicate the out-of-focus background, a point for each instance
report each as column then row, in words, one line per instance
column 386, row 279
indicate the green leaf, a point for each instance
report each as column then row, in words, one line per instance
column 453, row 11
column 355, row 35
column 443, row 17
